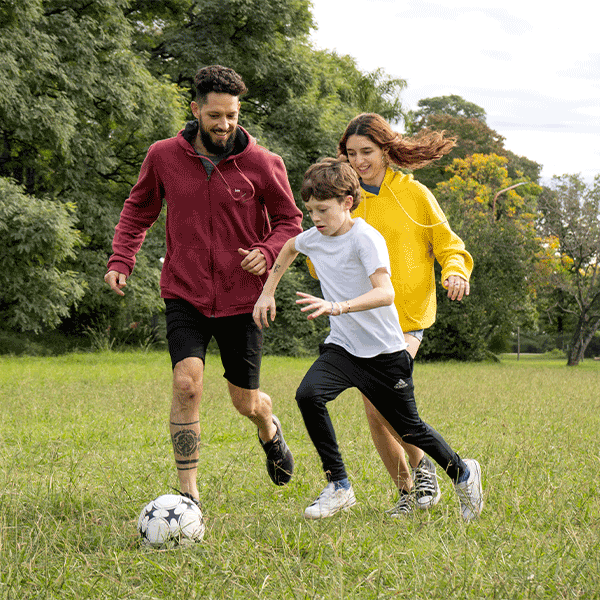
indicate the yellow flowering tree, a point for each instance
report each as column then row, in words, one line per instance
column 496, row 218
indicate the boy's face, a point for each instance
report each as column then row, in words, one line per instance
column 332, row 216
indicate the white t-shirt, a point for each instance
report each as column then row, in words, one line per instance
column 344, row 264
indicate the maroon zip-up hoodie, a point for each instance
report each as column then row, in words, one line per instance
column 246, row 202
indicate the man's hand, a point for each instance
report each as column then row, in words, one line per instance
column 254, row 261
column 116, row 281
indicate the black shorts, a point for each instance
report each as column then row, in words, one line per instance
column 240, row 341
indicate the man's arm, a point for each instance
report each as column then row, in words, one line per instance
column 285, row 218
column 140, row 211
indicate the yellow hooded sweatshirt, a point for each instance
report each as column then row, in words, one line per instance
column 403, row 213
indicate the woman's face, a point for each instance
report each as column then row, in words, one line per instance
column 367, row 159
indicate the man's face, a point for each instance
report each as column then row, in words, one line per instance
column 217, row 119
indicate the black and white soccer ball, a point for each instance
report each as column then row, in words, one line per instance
column 169, row 521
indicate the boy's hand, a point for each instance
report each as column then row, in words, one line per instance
column 317, row 305
column 262, row 307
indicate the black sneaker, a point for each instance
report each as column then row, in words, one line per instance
column 190, row 497
column 280, row 462
column 427, row 491
column 404, row 506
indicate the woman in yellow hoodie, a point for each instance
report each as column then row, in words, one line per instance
column 417, row 233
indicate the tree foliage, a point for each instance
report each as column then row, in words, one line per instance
column 37, row 239
column 571, row 216
column 452, row 106
column 78, row 115
column 88, row 85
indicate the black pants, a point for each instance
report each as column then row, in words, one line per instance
column 386, row 380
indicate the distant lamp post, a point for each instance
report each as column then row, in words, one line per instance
column 512, row 187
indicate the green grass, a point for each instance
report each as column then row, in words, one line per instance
column 84, row 445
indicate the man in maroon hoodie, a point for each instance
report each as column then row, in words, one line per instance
column 230, row 210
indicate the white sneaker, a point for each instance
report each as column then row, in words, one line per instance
column 330, row 501
column 470, row 492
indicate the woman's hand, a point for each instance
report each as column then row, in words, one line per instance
column 457, row 287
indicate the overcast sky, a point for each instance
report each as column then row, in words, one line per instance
column 533, row 66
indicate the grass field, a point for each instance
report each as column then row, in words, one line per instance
column 84, row 445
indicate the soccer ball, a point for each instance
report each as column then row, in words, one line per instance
column 170, row 521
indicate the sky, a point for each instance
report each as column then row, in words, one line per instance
column 533, row 66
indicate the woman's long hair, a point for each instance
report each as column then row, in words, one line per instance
column 409, row 153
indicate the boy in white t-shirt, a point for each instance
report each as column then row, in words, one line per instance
column 365, row 348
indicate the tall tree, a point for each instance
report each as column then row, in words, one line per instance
column 571, row 214
column 77, row 114
column 467, row 122
column 453, row 106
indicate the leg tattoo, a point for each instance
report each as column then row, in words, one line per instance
column 185, row 445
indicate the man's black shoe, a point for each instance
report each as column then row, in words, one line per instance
column 280, row 462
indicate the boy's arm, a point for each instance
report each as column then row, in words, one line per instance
column 266, row 301
column 382, row 294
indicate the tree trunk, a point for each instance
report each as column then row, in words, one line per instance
column 584, row 332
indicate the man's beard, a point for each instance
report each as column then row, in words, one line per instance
column 224, row 147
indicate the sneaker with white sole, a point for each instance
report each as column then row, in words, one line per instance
column 330, row 501
column 470, row 492
column 404, row 506
column 280, row 462
column 427, row 491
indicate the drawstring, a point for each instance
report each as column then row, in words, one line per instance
column 415, row 222
column 235, row 194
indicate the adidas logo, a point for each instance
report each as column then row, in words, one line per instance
column 401, row 384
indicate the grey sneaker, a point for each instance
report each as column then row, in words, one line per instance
column 330, row 501
column 427, row 491
column 280, row 462
column 404, row 506
column 470, row 492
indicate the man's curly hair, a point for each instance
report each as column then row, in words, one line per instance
column 221, row 80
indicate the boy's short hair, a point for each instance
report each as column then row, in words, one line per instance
column 331, row 178
column 218, row 79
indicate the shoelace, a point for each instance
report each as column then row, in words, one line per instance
column 466, row 494
column 424, row 481
column 404, row 504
